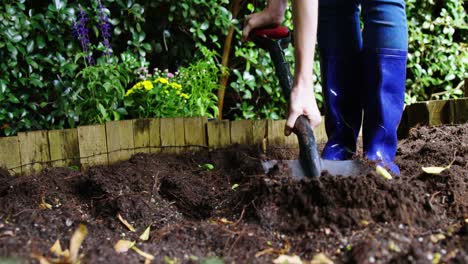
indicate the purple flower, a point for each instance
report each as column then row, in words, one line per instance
column 81, row 32
column 105, row 28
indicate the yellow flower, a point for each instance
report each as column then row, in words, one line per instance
column 147, row 85
column 161, row 80
column 144, row 85
column 184, row 95
column 176, row 86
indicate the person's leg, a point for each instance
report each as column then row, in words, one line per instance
column 385, row 41
column 340, row 43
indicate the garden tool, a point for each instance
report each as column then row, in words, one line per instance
column 309, row 164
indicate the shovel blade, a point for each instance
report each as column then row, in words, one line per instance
column 343, row 168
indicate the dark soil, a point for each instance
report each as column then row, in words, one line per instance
column 239, row 214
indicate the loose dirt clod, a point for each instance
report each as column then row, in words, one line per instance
column 192, row 213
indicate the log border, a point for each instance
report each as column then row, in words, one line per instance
column 115, row 141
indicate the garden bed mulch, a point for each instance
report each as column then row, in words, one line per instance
column 237, row 213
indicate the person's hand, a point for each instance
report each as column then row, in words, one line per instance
column 268, row 17
column 302, row 102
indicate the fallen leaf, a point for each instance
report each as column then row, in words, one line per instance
column 126, row 224
column 142, row 253
column 364, row 222
column 438, row 170
column 76, row 240
column 146, row 234
column 225, row 221
column 394, row 247
column 283, row 259
column 321, row 259
column 434, row 170
column 123, row 246
column 383, row 172
column 436, row 238
column 44, row 205
column 58, row 251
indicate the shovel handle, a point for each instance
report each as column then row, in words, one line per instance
column 308, row 152
column 274, row 41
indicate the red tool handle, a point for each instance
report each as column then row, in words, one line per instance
column 272, row 33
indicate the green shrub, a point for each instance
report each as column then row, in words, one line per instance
column 100, row 93
column 37, row 59
column 37, row 74
column 438, row 53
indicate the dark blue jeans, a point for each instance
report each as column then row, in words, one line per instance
column 384, row 25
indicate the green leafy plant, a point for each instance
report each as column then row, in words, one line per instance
column 38, row 83
column 101, row 93
column 36, row 77
column 101, row 85
column 207, row 166
column 438, row 53
column 201, row 82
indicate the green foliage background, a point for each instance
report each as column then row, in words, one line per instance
column 39, row 65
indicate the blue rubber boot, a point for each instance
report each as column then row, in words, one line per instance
column 341, row 80
column 383, row 103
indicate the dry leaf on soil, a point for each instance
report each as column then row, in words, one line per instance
column 58, row 251
column 44, row 205
column 437, row 170
column 143, row 254
column 75, row 242
column 434, row 170
column 123, row 246
column 68, row 256
column 126, row 224
column 146, row 234
column 436, row 238
column 383, row 172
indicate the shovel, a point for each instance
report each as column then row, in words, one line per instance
column 309, row 164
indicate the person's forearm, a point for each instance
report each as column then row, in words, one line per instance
column 305, row 18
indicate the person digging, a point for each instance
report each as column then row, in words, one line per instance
column 363, row 72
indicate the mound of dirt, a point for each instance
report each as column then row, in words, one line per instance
column 239, row 214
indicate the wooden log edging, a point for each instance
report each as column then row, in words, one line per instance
column 115, row 141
